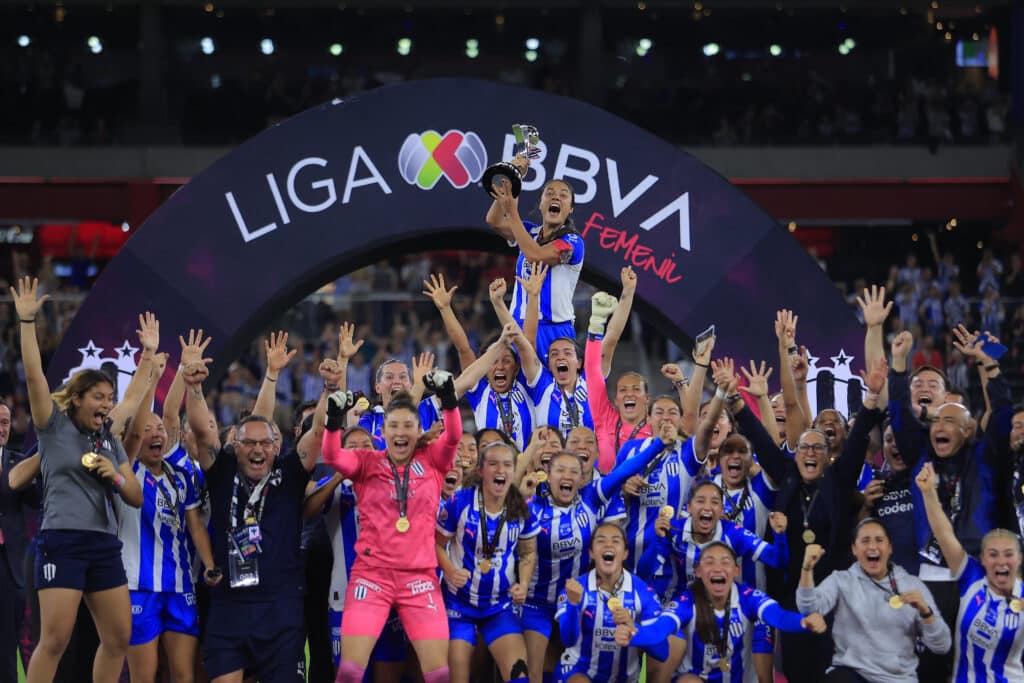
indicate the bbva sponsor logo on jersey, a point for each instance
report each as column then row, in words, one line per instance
column 460, row 157
column 118, row 364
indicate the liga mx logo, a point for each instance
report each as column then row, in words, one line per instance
column 120, row 367
column 427, row 157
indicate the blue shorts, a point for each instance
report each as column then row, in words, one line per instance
column 264, row 639
column 539, row 616
column 764, row 639
column 391, row 646
column 154, row 613
column 464, row 620
column 548, row 332
column 88, row 561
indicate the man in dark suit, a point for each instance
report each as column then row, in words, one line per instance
column 13, row 541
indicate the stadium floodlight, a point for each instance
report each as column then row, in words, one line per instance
column 267, row 46
column 404, row 46
column 645, row 43
column 711, row 49
column 532, row 43
column 850, row 43
column 95, row 45
column 774, row 50
column 207, row 45
column 24, row 41
column 531, row 55
column 844, row 49
column 336, row 49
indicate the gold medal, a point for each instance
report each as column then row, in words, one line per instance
column 362, row 403
column 1015, row 605
column 485, row 566
column 402, row 524
column 541, row 476
column 667, row 511
column 89, row 459
column 723, row 665
column 614, row 603
column 895, row 602
column 808, row 536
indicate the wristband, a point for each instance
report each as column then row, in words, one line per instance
column 720, row 394
column 733, row 398
column 266, row 378
column 330, row 387
column 871, row 395
column 679, row 383
column 931, row 613
column 23, row 320
column 792, row 350
column 702, row 365
column 990, row 366
column 118, row 482
column 808, row 569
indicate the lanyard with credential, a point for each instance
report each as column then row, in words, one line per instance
column 256, row 503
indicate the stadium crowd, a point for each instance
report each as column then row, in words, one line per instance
column 459, row 492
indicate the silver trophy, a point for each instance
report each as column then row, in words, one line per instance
column 527, row 141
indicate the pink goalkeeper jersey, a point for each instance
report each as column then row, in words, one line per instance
column 604, row 412
column 380, row 544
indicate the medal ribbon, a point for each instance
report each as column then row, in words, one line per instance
column 570, row 403
column 401, row 486
column 737, row 509
column 807, row 508
column 632, row 435
column 489, row 543
column 615, row 589
column 505, row 410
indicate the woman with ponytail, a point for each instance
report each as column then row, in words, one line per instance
column 880, row 611
column 486, row 548
column 715, row 617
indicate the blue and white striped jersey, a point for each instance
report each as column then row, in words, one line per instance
column 758, row 498
column 180, row 460
column 564, row 539
column 560, row 284
column 156, row 549
column 684, row 551
column 668, row 483
column 588, row 629
column 342, row 521
column 746, row 606
column 989, row 638
column 500, row 411
column 460, row 520
column 557, row 408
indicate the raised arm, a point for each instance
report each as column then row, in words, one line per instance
column 421, row 365
column 785, row 331
column 24, row 473
column 509, row 207
column 757, row 386
column 619, row 319
column 496, row 293
column 850, row 463
column 197, row 412
column 139, row 387
column 348, row 346
column 134, row 428
column 435, row 288
column 278, row 357
column 27, row 303
column 875, row 310
column 996, row 390
column 942, row 528
column 309, row 444
column 532, row 287
column 191, row 352
column 601, row 409
column 911, row 437
column 809, row 599
column 695, row 390
column 477, row 370
column 727, row 382
column 498, row 213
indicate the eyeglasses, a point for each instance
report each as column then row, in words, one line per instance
column 816, row 447
column 262, row 443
